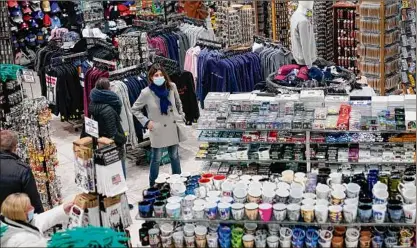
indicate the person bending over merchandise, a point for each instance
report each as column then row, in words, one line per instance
column 165, row 117
column 15, row 175
column 105, row 108
column 21, row 227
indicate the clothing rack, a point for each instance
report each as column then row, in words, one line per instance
column 170, row 65
column 195, row 22
column 106, row 62
column 131, row 70
column 210, row 43
column 161, row 30
column 62, row 59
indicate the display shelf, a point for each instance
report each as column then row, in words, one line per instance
column 253, row 142
column 251, row 160
column 304, row 143
column 308, row 130
column 282, row 223
column 364, row 163
column 300, row 161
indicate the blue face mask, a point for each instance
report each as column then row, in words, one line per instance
column 159, row 81
column 31, row 213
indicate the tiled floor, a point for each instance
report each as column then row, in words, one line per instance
column 137, row 176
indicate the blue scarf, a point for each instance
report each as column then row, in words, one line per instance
column 106, row 97
column 162, row 92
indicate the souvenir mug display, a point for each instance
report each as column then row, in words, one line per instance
column 252, row 235
column 292, row 197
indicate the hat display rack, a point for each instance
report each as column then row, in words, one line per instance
column 31, row 23
column 5, row 36
column 408, row 46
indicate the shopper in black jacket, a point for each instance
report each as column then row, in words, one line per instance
column 105, row 108
column 16, row 176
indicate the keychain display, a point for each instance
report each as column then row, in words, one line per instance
column 323, row 28
column 408, row 43
column 31, row 121
column 345, row 41
column 379, row 44
column 133, row 48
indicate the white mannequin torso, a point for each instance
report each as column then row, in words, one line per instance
column 303, row 43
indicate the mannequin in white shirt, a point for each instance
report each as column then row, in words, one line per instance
column 303, row 42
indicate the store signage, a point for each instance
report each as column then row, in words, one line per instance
column 91, row 127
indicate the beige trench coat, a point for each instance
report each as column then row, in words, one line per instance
column 164, row 132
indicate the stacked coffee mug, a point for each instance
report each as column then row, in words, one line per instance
column 251, row 235
column 291, row 198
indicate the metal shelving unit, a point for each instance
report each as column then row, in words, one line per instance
column 308, row 145
column 282, row 223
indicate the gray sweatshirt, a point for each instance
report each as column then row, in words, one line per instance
column 303, row 42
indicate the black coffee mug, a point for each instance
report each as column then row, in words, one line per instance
column 144, row 236
column 365, row 201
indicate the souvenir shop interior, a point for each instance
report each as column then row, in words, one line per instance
column 300, row 119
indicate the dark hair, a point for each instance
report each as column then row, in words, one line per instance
column 103, row 84
column 155, row 68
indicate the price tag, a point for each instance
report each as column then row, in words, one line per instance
column 91, row 127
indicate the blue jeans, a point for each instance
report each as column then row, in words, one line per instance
column 156, row 157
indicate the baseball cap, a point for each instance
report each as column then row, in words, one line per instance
column 13, row 27
column 24, row 25
column 33, row 23
column 14, row 41
column 24, row 3
column 40, row 38
column 121, row 23
column 26, row 10
column 57, row 33
column 284, row 70
column 35, row 5
column 38, row 15
column 123, row 10
column 22, row 59
column 315, row 73
column 27, row 18
column 303, row 73
column 55, row 7
column 55, row 22
column 46, row 6
column 112, row 26
column 31, row 39
column 16, row 16
column 69, row 39
column 46, row 20
column 12, row 4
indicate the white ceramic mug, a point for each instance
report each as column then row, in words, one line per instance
column 280, row 211
column 287, row 176
column 381, row 196
column 238, row 210
column 350, row 213
column 321, row 212
column 408, row 196
column 352, row 190
column 268, row 195
column 378, row 212
column 322, row 191
column 334, row 178
column 296, row 195
column 410, row 213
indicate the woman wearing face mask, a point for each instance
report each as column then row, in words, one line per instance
column 163, row 105
column 22, row 227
